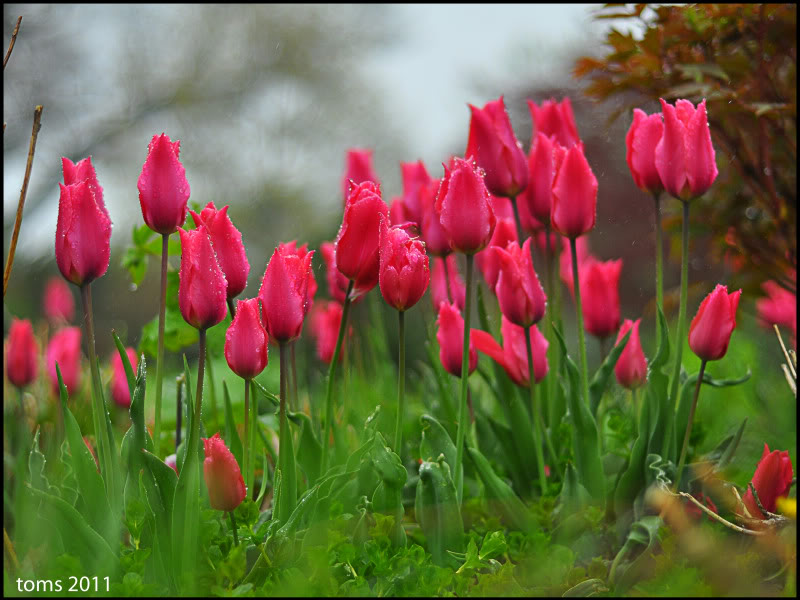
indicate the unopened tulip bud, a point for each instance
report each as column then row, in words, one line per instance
column 163, row 189
column 574, row 207
column 22, row 353
column 712, row 326
column 246, row 340
column 555, row 119
column 404, row 272
column 223, row 477
column 600, row 290
column 58, row 303
column 284, row 293
column 450, row 336
column 772, row 480
column 519, row 292
column 203, row 288
column 642, row 138
column 64, row 348
column 631, row 367
column 357, row 170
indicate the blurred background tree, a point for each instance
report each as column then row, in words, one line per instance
column 742, row 58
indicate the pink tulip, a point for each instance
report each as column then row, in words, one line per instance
column 357, row 242
column 120, row 391
column 404, row 272
column 574, row 208
column 685, row 158
column 600, row 291
column 246, row 340
column 203, row 288
column 83, row 170
column 433, row 234
column 565, row 261
column 415, row 177
column 513, row 356
column 284, row 293
column 357, row 170
column 337, row 283
column 487, row 260
column 519, row 293
column 223, row 477
column 501, row 207
column 779, row 308
column 439, row 285
column 450, row 336
column 545, row 158
column 463, row 207
column 59, row 306
column 291, row 249
column 631, row 367
column 495, row 148
column 556, row 120
column 712, row 326
column 64, row 348
column 172, row 462
column 325, row 322
column 22, row 353
column 227, row 243
column 163, row 189
column 642, row 138
column 772, row 480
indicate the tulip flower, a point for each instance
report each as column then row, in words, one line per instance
column 778, row 308
column 246, row 353
column 58, row 304
column 227, row 243
column 325, row 322
column 120, row 391
column 600, row 286
column 446, row 283
column 224, row 480
column 501, row 207
column 357, row 242
column 519, row 293
column 415, row 177
column 463, row 207
column 172, row 462
column 513, row 356
column 684, row 156
column 545, row 158
column 712, row 326
column 449, row 335
column 574, row 206
column 203, row 288
column 163, row 189
column 555, row 119
column 163, row 194
column 487, row 260
column 22, row 353
column 404, row 273
column 641, row 141
column 357, row 170
column 772, row 480
column 64, row 348
column 337, row 283
column 494, row 146
column 433, row 234
column 83, row 233
column 284, row 293
column 291, row 249
column 397, row 212
column 631, row 367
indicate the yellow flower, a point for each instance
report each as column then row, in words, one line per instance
column 788, row 507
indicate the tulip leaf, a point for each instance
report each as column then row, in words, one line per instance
column 600, row 380
column 231, row 435
column 641, row 543
column 309, row 450
column 730, row 448
column 443, row 385
column 276, row 402
column 126, row 363
column 437, row 511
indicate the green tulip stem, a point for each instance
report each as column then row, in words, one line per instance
column 178, row 410
column 537, row 425
column 248, row 476
column 284, row 427
column 685, row 447
column 162, row 311
column 328, row 426
column 212, row 389
column 231, row 308
column 579, row 311
column 517, row 219
column 462, row 409
column 659, row 266
column 233, row 528
column 401, row 381
column 676, row 372
column 294, row 403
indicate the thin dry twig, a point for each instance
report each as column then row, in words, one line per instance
column 785, row 353
column 715, row 516
column 37, row 123
column 11, row 44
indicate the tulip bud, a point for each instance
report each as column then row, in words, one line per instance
column 538, row 196
column 600, row 290
column 357, row 242
column 415, row 177
column 574, row 195
column 83, row 232
column 495, row 148
column 246, row 340
column 404, row 273
column 519, row 293
column 513, row 356
column 325, row 322
column 284, row 293
column 337, row 283
column 501, row 207
column 641, row 141
column 433, row 233
column 83, row 170
column 22, row 353
column 446, row 283
column 223, row 477
column 120, row 391
column 203, row 288
column 556, row 120
column 462, row 204
column 685, row 158
column 58, row 304
column 450, row 336
column 358, row 170
column 772, row 480
column 398, row 213
column 290, row 249
column 163, row 189
column 779, row 308
column 227, row 243
column 712, row 326
column 64, row 348
column 487, row 260
column 172, row 462
column 631, row 367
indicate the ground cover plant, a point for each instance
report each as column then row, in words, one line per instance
column 298, row 452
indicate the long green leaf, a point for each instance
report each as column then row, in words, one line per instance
column 126, row 363
column 309, row 450
column 231, row 435
column 600, row 380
